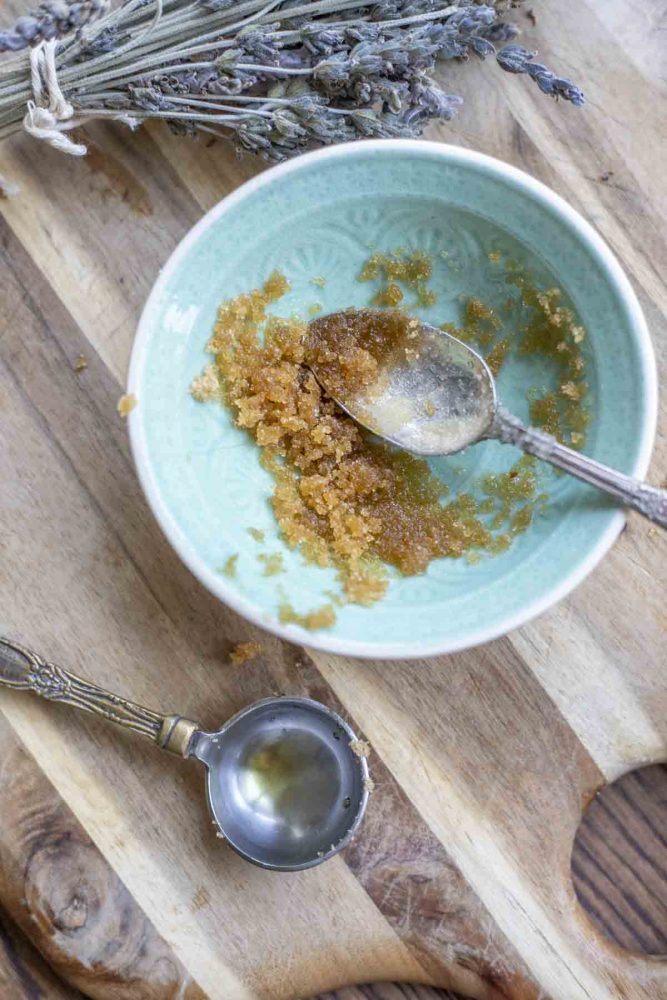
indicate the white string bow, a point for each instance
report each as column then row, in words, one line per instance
column 49, row 115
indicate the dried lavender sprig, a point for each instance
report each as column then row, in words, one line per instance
column 457, row 35
column 277, row 76
column 52, row 19
column 461, row 35
column 215, row 37
column 315, row 9
column 516, row 59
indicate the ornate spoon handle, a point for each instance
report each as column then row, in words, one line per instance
column 23, row 669
column 648, row 500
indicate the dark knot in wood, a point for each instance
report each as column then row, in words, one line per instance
column 65, row 885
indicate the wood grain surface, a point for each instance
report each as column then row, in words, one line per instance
column 619, row 861
column 484, row 760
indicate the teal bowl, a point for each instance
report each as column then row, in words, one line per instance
column 319, row 215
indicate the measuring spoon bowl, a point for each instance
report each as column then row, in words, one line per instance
column 284, row 785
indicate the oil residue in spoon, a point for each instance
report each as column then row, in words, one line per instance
column 282, row 779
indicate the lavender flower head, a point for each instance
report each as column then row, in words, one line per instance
column 52, row 19
column 516, row 59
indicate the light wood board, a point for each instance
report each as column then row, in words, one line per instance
column 483, row 760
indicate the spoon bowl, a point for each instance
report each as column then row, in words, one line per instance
column 434, row 399
column 283, row 784
column 434, row 395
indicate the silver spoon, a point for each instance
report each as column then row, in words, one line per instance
column 444, row 398
column 284, row 787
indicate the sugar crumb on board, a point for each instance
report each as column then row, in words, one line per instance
column 369, row 784
column 361, row 748
column 126, row 404
column 244, row 651
column 81, row 363
column 201, row 898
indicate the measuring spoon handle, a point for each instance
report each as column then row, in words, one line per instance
column 648, row 500
column 24, row 669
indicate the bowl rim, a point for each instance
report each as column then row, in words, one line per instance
column 225, row 591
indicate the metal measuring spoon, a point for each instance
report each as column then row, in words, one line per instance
column 284, row 786
column 442, row 398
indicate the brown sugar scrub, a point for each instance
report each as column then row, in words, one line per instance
column 340, row 497
column 412, row 270
column 548, row 330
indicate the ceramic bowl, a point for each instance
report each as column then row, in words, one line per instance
column 319, row 215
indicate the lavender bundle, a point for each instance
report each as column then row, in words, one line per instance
column 276, row 77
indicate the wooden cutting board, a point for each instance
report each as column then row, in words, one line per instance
column 483, row 760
